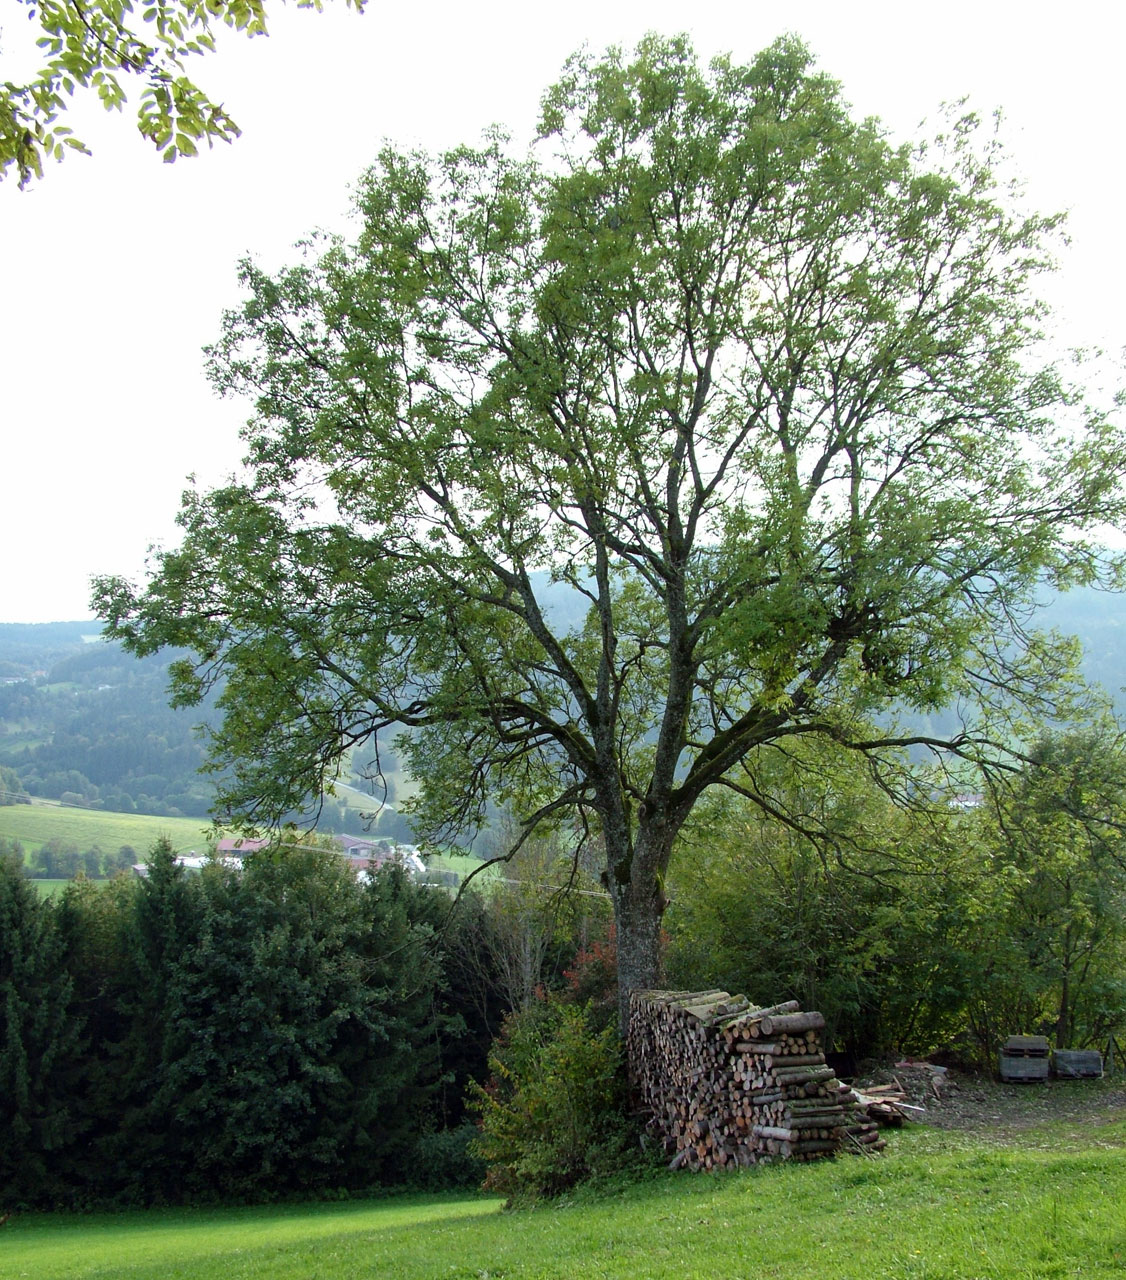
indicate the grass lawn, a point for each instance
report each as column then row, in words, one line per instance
column 12, row 745
column 52, row 888
column 34, row 824
column 463, row 864
column 938, row 1206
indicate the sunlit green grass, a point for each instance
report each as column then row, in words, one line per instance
column 220, row 1243
column 463, row 864
column 34, row 824
column 52, row 888
column 940, row 1207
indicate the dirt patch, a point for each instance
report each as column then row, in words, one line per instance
column 957, row 1100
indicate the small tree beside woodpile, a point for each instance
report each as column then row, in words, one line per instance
column 730, row 1084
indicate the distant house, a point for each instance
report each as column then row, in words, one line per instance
column 370, row 855
column 235, row 846
column 967, row 800
column 188, row 861
column 365, row 856
column 228, row 851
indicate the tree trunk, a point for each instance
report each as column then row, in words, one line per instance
column 1063, row 1021
column 639, row 954
column 639, row 904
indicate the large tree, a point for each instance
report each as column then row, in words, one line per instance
column 756, row 386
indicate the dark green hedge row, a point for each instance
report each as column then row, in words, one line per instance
column 281, row 1030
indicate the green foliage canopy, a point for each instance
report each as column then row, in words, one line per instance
column 93, row 44
column 922, row 928
column 1052, row 951
column 757, row 386
column 878, row 923
column 11, row 789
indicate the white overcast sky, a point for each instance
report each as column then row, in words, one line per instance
column 116, row 268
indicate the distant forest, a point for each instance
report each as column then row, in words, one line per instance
column 83, row 722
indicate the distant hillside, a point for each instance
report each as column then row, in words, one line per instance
column 1098, row 618
column 82, row 721
column 39, row 824
column 28, row 648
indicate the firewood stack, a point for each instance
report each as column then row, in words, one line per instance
column 728, row 1083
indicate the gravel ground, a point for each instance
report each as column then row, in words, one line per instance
column 961, row 1101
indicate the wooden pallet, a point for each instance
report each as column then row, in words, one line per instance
column 1077, row 1064
column 1025, row 1058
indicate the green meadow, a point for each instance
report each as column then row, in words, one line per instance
column 937, row 1206
column 463, row 864
column 53, row 888
column 34, row 824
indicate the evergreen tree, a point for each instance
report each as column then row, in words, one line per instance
column 39, row 1036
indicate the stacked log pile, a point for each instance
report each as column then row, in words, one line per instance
column 728, row 1083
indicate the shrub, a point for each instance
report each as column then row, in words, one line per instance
column 592, row 979
column 554, row 1111
column 447, row 1160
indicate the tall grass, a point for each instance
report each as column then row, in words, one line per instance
column 937, row 1207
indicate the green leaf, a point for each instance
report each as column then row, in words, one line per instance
column 83, row 47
